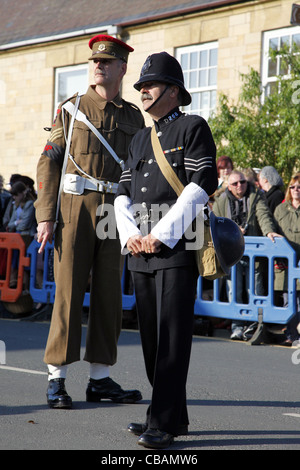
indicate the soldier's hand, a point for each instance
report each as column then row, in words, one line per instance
column 44, row 234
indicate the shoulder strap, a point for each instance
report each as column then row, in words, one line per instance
column 164, row 165
column 80, row 116
column 67, row 150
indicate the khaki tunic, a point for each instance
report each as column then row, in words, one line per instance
column 78, row 250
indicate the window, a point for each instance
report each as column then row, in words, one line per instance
column 70, row 80
column 200, row 66
column 274, row 41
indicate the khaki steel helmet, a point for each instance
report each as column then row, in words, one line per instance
column 228, row 241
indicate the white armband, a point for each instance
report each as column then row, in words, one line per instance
column 126, row 224
column 172, row 226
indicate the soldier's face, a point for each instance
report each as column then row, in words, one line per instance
column 107, row 71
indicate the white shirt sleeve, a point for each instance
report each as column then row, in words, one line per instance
column 172, row 226
column 125, row 221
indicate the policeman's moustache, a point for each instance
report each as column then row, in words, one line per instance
column 156, row 101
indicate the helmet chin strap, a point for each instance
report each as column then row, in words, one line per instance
column 156, row 101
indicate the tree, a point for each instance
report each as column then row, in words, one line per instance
column 262, row 130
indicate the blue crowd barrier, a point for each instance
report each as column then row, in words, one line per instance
column 259, row 308
column 46, row 292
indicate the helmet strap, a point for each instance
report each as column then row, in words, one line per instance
column 156, row 101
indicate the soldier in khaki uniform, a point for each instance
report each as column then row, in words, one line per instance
column 90, row 179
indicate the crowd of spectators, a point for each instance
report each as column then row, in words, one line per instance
column 255, row 199
column 17, row 214
column 258, row 202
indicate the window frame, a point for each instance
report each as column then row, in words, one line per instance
column 210, row 90
column 267, row 80
column 68, row 69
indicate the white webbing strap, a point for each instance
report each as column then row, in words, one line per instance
column 80, row 116
column 67, row 150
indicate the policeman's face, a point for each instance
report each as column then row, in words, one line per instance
column 237, row 184
column 107, row 71
column 150, row 92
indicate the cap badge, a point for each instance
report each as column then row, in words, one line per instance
column 101, row 47
column 146, row 66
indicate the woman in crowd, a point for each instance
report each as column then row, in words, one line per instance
column 22, row 221
column 224, row 168
column 287, row 216
column 23, row 215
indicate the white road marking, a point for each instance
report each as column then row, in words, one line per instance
column 294, row 415
column 28, row 371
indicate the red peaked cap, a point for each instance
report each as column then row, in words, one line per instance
column 105, row 46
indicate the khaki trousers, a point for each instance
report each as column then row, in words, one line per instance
column 78, row 253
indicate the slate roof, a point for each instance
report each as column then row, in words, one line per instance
column 25, row 20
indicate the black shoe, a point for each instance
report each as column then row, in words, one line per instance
column 98, row 390
column 137, row 429
column 57, row 396
column 156, row 439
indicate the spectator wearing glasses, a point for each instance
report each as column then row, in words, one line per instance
column 246, row 206
column 287, row 216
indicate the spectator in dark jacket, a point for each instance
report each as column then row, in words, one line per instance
column 271, row 182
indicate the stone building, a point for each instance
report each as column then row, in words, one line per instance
column 44, row 51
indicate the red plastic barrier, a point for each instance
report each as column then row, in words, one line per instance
column 8, row 243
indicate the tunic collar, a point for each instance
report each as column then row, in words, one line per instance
column 169, row 118
column 101, row 102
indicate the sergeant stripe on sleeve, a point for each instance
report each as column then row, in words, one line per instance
column 56, row 134
column 197, row 165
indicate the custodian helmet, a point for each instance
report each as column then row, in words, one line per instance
column 164, row 68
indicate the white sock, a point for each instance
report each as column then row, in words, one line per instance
column 98, row 371
column 57, row 372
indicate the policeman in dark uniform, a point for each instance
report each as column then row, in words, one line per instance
column 164, row 270
column 90, row 178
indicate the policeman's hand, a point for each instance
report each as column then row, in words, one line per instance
column 44, row 234
column 135, row 246
column 151, row 244
column 272, row 235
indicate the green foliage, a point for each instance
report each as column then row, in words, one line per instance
column 256, row 132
